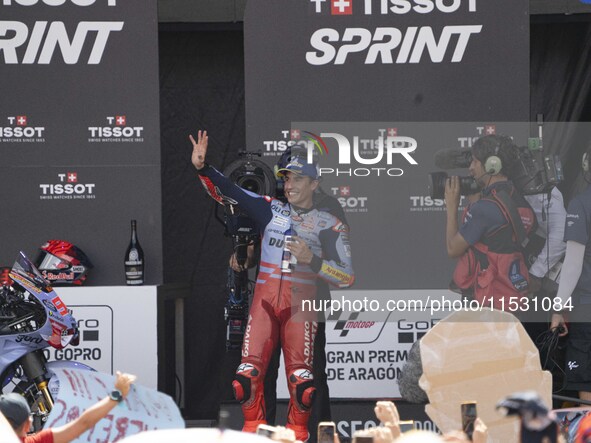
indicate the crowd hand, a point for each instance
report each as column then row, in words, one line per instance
column 455, row 437
column 558, row 322
column 300, row 250
column 452, row 192
column 123, row 382
column 199, row 149
column 480, row 434
column 387, row 413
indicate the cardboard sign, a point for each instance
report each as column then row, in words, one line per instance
column 484, row 357
column 143, row 409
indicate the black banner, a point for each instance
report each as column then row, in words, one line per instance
column 372, row 69
column 79, row 130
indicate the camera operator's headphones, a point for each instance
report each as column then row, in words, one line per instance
column 493, row 164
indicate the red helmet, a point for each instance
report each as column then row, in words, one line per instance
column 5, row 279
column 62, row 263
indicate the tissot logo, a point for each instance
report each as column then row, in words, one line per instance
column 481, row 131
column 424, row 203
column 67, row 187
column 17, row 129
column 384, row 7
column 277, row 147
column 116, row 130
column 349, row 202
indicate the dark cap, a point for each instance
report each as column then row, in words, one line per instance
column 15, row 409
column 299, row 166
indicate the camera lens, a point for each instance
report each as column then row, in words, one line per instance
column 437, row 180
column 437, row 184
column 251, row 183
column 252, row 175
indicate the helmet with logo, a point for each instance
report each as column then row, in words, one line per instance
column 62, row 263
column 289, row 154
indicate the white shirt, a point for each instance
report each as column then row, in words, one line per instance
column 551, row 221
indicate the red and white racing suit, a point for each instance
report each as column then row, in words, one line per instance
column 276, row 314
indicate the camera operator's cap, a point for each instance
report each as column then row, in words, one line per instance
column 15, row 408
column 299, row 166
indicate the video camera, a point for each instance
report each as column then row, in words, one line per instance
column 254, row 176
column 533, row 172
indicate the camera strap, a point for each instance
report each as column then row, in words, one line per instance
column 509, row 209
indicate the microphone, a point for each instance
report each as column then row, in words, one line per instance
column 481, row 175
column 453, row 158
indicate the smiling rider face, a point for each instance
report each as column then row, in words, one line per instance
column 299, row 190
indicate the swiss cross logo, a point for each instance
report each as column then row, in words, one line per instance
column 392, row 132
column 345, row 191
column 21, row 120
column 120, row 120
column 490, row 129
column 341, row 7
column 72, row 177
column 295, row 134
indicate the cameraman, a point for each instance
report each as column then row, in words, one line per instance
column 319, row 242
column 493, row 230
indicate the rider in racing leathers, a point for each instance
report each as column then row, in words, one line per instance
column 319, row 242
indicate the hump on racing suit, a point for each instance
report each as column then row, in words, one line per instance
column 494, row 268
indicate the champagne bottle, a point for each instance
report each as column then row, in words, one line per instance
column 134, row 259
